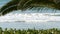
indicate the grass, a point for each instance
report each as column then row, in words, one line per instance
column 30, row 31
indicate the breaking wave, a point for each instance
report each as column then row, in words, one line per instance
column 30, row 17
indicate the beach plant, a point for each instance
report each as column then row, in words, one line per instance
column 30, row 31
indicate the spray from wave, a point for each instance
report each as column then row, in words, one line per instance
column 26, row 16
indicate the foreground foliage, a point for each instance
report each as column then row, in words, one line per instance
column 29, row 31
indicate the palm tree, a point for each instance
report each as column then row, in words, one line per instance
column 25, row 4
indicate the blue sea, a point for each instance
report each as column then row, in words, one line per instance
column 42, row 19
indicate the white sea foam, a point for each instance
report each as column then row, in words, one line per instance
column 30, row 17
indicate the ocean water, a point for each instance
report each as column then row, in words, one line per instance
column 42, row 19
column 30, row 20
column 3, row 2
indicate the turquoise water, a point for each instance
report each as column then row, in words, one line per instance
column 23, row 25
column 3, row 2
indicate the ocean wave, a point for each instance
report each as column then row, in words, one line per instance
column 29, row 17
